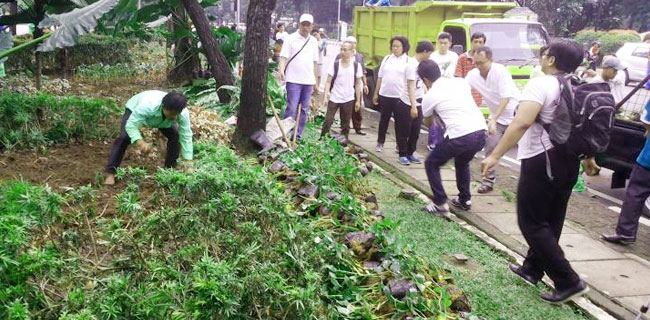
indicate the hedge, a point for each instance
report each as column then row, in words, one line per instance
column 611, row 40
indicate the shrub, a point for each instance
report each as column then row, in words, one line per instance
column 43, row 119
column 611, row 40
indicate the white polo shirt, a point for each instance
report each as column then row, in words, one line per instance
column 496, row 86
column 411, row 73
column 281, row 35
column 391, row 73
column 301, row 68
column 446, row 62
column 342, row 89
column 451, row 99
column 544, row 90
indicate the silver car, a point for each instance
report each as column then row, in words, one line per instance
column 634, row 56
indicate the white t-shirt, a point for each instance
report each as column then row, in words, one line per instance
column 411, row 73
column 391, row 73
column 446, row 63
column 301, row 69
column 342, row 89
column 451, row 99
column 544, row 90
column 281, row 35
column 496, row 86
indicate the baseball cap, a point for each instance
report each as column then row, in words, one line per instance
column 321, row 30
column 612, row 62
column 351, row 39
column 306, row 17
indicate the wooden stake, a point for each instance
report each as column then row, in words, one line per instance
column 295, row 129
column 277, row 118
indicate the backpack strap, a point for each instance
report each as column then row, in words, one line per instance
column 337, row 63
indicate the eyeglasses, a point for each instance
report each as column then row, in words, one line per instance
column 344, row 49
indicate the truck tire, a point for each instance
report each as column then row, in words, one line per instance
column 367, row 99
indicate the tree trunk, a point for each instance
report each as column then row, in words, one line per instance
column 218, row 64
column 13, row 9
column 37, row 58
column 185, row 61
column 252, row 115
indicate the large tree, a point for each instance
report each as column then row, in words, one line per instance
column 252, row 115
column 218, row 64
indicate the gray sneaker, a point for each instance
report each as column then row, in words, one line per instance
column 436, row 209
column 379, row 147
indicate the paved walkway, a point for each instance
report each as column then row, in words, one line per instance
column 620, row 280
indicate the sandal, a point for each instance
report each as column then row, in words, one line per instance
column 484, row 189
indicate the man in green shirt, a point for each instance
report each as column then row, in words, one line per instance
column 154, row 109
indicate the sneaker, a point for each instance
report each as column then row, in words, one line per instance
column 618, row 238
column 467, row 205
column 436, row 209
column 361, row 133
column 379, row 147
column 404, row 161
column 414, row 159
column 485, row 188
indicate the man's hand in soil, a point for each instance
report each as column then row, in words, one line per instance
column 143, row 146
column 109, row 180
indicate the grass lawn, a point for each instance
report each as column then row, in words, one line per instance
column 494, row 292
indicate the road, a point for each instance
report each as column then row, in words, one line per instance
column 599, row 186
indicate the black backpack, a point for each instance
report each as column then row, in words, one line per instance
column 583, row 118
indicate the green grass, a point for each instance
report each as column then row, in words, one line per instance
column 493, row 291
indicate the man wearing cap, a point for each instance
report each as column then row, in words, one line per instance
column 357, row 115
column 299, row 68
column 610, row 75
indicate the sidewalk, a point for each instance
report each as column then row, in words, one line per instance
column 620, row 280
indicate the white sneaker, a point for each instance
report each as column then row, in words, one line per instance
column 379, row 147
column 435, row 209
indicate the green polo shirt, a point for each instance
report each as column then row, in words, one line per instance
column 146, row 110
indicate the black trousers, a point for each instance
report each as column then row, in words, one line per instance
column 386, row 109
column 407, row 130
column 123, row 142
column 541, row 210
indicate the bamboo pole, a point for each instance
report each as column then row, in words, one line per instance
column 277, row 118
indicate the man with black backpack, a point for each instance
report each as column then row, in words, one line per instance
column 344, row 84
column 555, row 125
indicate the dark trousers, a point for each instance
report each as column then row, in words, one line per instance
column 386, row 109
column 123, row 142
column 638, row 190
column 345, row 113
column 407, row 130
column 541, row 209
column 462, row 149
column 357, row 117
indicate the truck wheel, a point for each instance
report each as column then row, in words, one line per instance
column 367, row 99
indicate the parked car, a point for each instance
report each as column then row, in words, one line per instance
column 634, row 56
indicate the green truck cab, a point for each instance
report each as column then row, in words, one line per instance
column 515, row 38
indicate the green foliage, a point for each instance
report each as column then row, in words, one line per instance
column 43, row 119
column 611, row 41
column 90, row 49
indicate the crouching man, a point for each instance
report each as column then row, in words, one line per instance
column 154, row 109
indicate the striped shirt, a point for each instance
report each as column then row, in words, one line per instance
column 464, row 65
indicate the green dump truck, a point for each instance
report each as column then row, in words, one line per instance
column 512, row 33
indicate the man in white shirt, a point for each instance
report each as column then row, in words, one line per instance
column 445, row 58
column 610, row 75
column 495, row 84
column 299, row 68
column 547, row 175
column 344, row 80
column 281, row 33
column 451, row 100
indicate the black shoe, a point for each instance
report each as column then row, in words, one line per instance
column 565, row 295
column 361, row 133
column 617, row 238
column 531, row 280
column 467, row 205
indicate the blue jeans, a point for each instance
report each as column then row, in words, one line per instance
column 298, row 94
column 462, row 149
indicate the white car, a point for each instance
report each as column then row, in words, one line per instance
column 634, row 56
